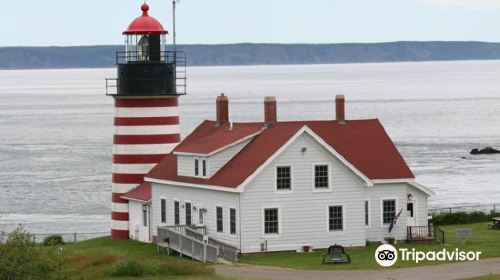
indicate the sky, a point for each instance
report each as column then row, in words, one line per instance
column 100, row 22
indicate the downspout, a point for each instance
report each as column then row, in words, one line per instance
column 239, row 219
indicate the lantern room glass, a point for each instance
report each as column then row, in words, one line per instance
column 137, row 45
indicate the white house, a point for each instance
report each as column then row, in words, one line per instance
column 281, row 185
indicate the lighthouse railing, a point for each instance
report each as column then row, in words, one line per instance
column 177, row 57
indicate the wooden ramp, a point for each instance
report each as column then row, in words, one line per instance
column 191, row 241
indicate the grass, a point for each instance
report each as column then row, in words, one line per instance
column 483, row 239
column 103, row 258
column 486, row 277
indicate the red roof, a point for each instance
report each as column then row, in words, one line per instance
column 209, row 138
column 363, row 143
column 141, row 193
column 145, row 24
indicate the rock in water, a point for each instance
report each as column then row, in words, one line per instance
column 485, row 151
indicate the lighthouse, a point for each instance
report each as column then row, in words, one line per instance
column 149, row 81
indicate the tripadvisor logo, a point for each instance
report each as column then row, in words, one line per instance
column 387, row 255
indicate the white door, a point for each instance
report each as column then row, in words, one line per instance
column 411, row 213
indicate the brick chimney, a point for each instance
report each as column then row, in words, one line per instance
column 222, row 110
column 340, row 109
column 270, row 115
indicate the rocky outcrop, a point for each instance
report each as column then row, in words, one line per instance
column 485, row 151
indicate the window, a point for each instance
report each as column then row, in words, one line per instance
column 367, row 212
column 321, row 176
column 176, row 213
column 200, row 213
column 188, row 213
column 271, row 221
column 388, row 210
column 283, row 178
column 335, row 218
column 143, row 50
column 220, row 221
column 409, row 208
column 163, row 210
column 232, row 221
column 204, row 167
column 145, row 215
column 196, row 167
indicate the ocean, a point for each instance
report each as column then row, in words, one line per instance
column 56, row 128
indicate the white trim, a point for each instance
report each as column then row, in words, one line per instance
column 328, row 218
column 369, row 225
column 421, row 187
column 275, row 183
column 193, row 185
column 147, row 129
column 136, row 200
column 139, row 112
column 338, row 156
column 409, row 181
column 220, row 149
column 382, row 210
column 280, row 230
column 322, row 190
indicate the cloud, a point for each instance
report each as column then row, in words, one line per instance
column 464, row 4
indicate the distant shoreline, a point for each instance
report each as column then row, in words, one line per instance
column 261, row 65
column 81, row 57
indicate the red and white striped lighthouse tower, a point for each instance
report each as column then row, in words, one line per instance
column 146, row 120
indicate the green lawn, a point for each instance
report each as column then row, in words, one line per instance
column 484, row 240
column 96, row 258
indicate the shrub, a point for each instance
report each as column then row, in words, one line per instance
column 460, row 218
column 127, row 268
column 52, row 240
column 21, row 259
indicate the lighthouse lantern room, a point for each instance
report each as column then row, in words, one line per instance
column 146, row 122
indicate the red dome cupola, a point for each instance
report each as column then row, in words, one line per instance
column 145, row 24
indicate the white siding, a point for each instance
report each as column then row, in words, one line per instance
column 185, row 165
column 303, row 212
column 137, row 230
column 218, row 160
column 208, row 199
column 377, row 231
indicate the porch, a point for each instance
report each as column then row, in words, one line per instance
column 424, row 234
